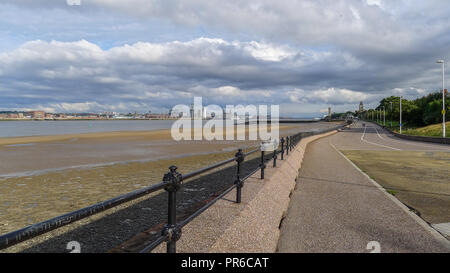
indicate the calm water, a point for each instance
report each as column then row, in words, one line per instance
column 40, row 128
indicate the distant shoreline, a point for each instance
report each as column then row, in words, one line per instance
column 87, row 119
column 123, row 119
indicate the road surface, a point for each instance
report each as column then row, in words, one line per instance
column 337, row 208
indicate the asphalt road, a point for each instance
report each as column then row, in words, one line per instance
column 336, row 208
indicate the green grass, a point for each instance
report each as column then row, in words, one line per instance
column 391, row 192
column 434, row 130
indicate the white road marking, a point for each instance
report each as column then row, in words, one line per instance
column 381, row 145
column 415, row 144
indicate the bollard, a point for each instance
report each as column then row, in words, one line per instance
column 282, row 148
column 263, row 165
column 239, row 159
column 174, row 181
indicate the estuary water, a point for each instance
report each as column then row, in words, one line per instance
column 63, row 127
column 42, row 128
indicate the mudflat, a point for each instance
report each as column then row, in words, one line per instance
column 23, row 156
column 31, row 199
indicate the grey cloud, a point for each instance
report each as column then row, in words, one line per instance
column 348, row 51
column 157, row 74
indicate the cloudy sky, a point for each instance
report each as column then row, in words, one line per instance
column 148, row 55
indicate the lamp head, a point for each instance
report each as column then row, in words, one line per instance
column 440, row 61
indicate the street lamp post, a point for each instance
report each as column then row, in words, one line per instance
column 400, row 114
column 391, row 113
column 384, row 116
column 443, row 95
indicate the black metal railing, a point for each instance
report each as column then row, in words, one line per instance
column 172, row 182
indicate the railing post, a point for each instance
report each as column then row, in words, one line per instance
column 282, row 148
column 263, row 165
column 239, row 159
column 290, row 143
column 275, row 157
column 287, row 145
column 174, row 181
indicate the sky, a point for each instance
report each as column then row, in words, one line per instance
column 149, row 55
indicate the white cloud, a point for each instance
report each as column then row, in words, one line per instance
column 331, row 96
column 267, row 52
column 76, row 107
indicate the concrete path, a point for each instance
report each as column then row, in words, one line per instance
column 336, row 208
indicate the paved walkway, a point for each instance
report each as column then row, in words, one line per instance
column 336, row 208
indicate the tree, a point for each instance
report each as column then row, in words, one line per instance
column 419, row 112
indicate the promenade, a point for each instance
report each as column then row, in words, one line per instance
column 337, row 208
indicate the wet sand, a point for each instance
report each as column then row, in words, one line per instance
column 32, row 199
column 24, row 156
column 108, row 229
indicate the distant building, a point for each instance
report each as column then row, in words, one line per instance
column 176, row 113
column 38, row 114
column 361, row 107
column 156, row 116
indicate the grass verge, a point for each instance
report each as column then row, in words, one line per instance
column 418, row 179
